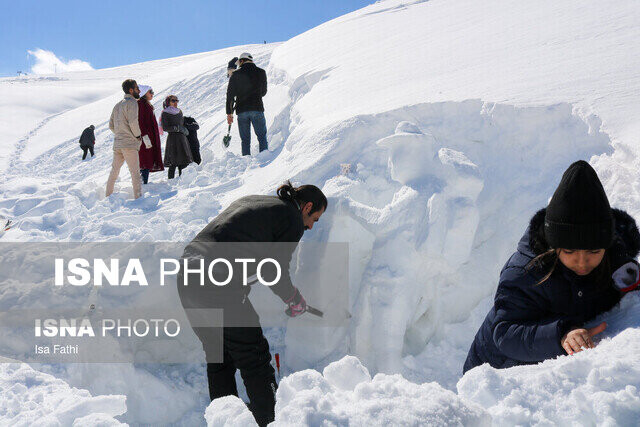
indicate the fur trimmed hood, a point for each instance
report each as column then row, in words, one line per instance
column 626, row 240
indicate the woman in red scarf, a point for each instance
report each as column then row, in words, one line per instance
column 150, row 152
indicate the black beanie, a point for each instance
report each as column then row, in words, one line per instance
column 579, row 215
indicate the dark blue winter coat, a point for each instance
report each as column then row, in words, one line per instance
column 528, row 319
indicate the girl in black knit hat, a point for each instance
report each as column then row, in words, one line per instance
column 575, row 261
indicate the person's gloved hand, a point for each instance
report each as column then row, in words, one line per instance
column 296, row 304
column 627, row 277
column 147, row 141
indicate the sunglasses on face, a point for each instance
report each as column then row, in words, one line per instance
column 173, row 100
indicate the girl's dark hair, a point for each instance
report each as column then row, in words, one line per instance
column 549, row 260
column 303, row 194
column 165, row 103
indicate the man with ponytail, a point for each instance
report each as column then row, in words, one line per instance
column 249, row 227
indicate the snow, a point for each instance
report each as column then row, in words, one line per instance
column 455, row 119
column 30, row 398
column 596, row 387
column 228, row 411
column 345, row 394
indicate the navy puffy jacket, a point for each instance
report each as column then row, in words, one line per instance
column 528, row 319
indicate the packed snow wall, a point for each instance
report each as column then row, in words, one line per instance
column 430, row 208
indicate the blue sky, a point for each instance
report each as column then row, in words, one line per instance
column 109, row 33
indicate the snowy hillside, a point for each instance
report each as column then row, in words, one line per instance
column 457, row 119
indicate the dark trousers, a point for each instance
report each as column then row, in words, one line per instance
column 246, row 349
column 84, row 151
column 245, row 120
column 172, row 171
column 144, row 173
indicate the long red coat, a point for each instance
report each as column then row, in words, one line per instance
column 150, row 158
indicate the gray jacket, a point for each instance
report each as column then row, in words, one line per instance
column 124, row 124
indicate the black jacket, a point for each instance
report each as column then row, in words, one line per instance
column 88, row 138
column 250, row 223
column 193, row 126
column 247, row 86
column 528, row 319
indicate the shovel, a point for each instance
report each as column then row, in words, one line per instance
column 227, row 138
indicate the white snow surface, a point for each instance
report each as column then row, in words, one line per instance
column 32, row 398
column 457, row 119
column 345, row 394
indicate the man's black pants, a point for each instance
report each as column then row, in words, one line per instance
column 246, row 349
column 84, row 152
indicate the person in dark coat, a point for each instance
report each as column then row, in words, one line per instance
column 575, row 261
column 232, row 66
column 150, row 153
column 87, row 141
column 192, row 126
column 177, row 153
column 247, row 86
column 256, row 227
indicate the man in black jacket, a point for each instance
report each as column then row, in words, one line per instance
column 247, row 86
column 256, row 227
column 87, row 141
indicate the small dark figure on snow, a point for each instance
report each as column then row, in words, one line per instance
column 575, row 261
column 87, row 141
column 247, row 86
column 245, row 228
column 177, row 153
column 192, row 126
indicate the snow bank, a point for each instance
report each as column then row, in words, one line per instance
column 29, row 397
column 228, row 411
column 345, row 394
column 595, row 387
column 432, row 208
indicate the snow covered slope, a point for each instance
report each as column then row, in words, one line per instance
column 457, row 119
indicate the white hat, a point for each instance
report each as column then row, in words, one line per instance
column 245, row 55
column 144, row 89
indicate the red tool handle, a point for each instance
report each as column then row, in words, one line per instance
column 632, row 287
